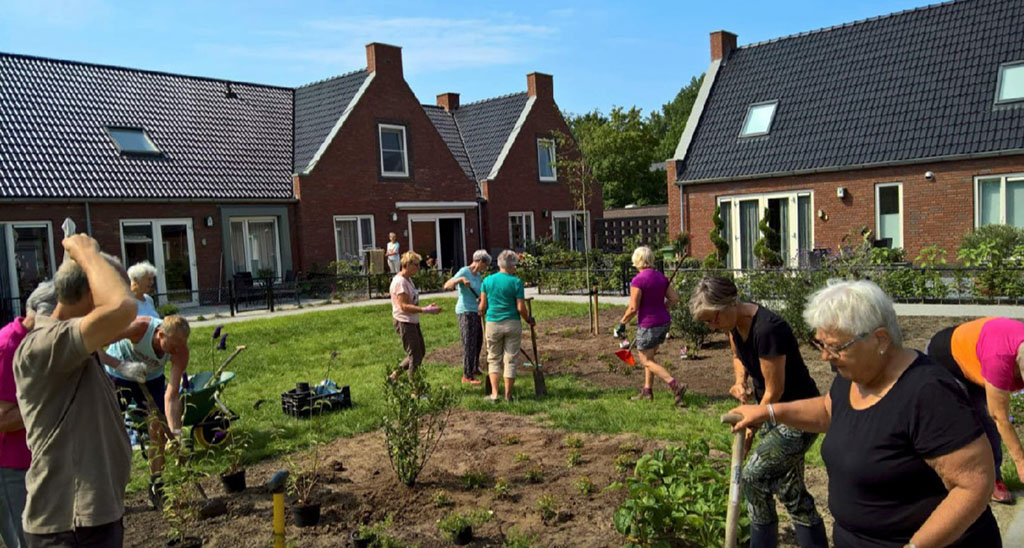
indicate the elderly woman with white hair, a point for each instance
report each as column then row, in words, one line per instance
column 766, row 351
column 468, row 281
column 650, row 297
column 394, row 257
column 142, row 276
column 907, row 461
column 503, row 303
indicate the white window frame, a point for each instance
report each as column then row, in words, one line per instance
column 771, row 119
column 405, row 150
column 1002, row 194
column 158, row 253
column 247, row 250
column 571, row 215
column 436, row 217
column 878, row 218
column 522, row 215
column 735, row 253
column 999, row 82
column 547, row 143
column 359, row 232
column 12, row 267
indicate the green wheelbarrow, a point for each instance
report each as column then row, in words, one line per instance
column 209, row 418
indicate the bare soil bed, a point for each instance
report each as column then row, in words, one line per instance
column 361, row 487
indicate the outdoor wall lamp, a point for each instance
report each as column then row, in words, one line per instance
column 394, row 217
column 822, row 215
column 208, row 221
column 929, row 176
column 841, row 192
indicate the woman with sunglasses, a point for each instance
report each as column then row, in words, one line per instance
column 985, row 356
column 907, row 461
column 766, row 352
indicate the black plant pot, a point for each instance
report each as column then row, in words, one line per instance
column 306, row 515
column 187, row 542
column 234, row 483
column 464, row 536
column 359, row 542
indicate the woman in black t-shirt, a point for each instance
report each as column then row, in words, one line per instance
column 907, row 461
column 766, row 352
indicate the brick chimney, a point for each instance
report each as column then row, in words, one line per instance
column 539, row 85
column 384, row 58
column 448, row 101
column 722, row 44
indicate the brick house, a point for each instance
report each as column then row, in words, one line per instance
column 909, row 124
column 208, row 178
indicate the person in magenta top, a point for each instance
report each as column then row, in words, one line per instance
column 650, row 297
column 985, row 356
column 14, row 454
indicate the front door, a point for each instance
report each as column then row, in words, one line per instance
column 169, row 246
column 439, row 236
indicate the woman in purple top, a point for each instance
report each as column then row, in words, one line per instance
column 650, row 297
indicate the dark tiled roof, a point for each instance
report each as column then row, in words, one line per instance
column 318, row 106
column 484, row 126
column 53, row 142
column 911, row 85
column 449, row 130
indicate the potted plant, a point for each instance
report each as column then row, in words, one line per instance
column 233, row 477
column 458, row 528
column 302, row 483
column 183, row 499
column 374, row 534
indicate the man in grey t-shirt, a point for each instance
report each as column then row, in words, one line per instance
column 81, row 459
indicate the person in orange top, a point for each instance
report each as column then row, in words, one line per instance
column 986, row 355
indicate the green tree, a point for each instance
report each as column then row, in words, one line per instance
column 767, row 247
column 668, row 124
column 716, row 259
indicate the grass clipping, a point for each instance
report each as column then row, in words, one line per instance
column 415, row 417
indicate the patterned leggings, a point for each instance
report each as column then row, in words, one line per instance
column 472, row 342
column 776, row 467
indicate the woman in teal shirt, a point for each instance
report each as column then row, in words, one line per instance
column 502, row 300
column 468, row 281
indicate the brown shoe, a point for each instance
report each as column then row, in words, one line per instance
column 645, row 394
column 679, row 390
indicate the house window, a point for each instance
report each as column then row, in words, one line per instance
column 132, row 141
column 889, row 213
column 572, row 228
column 254, row 246
column 169, row 245
column 785, row 211
column 30, row 259
column 546, row 160
column 759, row 119
column 520, row 229
column 394, row 159
column 352, row 236
column 1011, row 82
column 1000, row 200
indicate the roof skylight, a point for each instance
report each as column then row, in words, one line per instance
column 759, row 119
column 132, row 140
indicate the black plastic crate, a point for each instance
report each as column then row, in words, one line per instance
column 302, row 402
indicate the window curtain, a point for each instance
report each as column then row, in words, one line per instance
column 748, row 232
column 348, row 240
column 263, row 240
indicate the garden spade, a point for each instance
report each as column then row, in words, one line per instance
column 732, row 516
column 626, row 354
column 538, row 375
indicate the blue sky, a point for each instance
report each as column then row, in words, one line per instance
column 601, row 53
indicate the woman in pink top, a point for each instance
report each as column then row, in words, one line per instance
column 650, row 297
column 405, row 313
column 14, row 453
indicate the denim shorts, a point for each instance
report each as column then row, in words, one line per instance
column 651, row 337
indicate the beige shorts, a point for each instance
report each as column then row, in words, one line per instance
column 503, row 340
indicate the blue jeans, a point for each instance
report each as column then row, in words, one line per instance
column 12, row 504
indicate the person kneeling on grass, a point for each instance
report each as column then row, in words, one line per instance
column 405, row 313
column 81, row 460
column 502, row 304
column 650, row 297
column 153, row 343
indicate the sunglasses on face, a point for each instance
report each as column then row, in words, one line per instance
column 835, row 351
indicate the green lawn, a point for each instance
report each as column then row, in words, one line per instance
column 285, row 350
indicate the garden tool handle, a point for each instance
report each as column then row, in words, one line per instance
column 736, row 466
column 216, row 374
column 533, row 332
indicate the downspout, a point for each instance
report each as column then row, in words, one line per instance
column 88, row 220
column 480, row 222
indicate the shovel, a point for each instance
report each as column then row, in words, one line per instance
column 732, row 515
column 626, row 354
column 538, row 375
